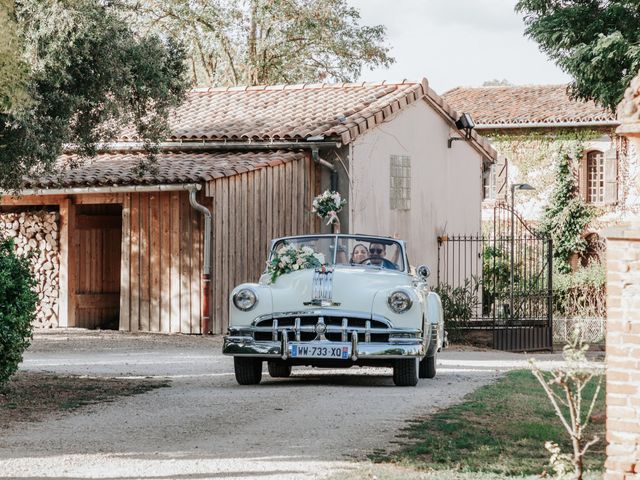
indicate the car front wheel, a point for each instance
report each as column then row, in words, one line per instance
column 428, row 367
column 405, row 372
column 248, row 370
column 279, row 370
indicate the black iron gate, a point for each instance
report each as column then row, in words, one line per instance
column 499, row 283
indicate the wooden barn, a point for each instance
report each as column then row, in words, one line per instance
column 128, row 251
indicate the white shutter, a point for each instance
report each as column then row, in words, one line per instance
column 611, row 175
column 502, row 168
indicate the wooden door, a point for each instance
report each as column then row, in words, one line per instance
column 98, row 236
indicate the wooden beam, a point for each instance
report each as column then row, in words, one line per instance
column 98, row 198
column 66, row 209
column 125, row 262
column 33, row 200
column 154, row 262
column 134, row 276
column 174, row 293
column 145, row 258
column 165, row 262
column 89, row 198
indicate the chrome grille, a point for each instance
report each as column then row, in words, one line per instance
column 338, row 329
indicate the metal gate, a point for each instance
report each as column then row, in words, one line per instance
column 499, row 283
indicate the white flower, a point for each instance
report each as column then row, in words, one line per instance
column 286, row 259
column 300, row 261
column 319, row 257
column 281, row 264
column 307, row 250
column 336, row 198
column 295, row 266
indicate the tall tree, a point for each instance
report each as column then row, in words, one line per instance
column 13, row 69
column 251, row 42
column 597, row 42
column 89, row 75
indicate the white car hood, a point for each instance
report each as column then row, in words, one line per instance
column 354, row 288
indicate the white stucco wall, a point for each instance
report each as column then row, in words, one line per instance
column 446, row 184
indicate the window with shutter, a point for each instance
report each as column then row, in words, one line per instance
column 595, row 177
column 501, row 178
column 489, row 182
column 611, row 176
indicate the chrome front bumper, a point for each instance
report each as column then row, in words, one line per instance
column 246, row 346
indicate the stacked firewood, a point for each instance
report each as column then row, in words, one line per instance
column 36, row 235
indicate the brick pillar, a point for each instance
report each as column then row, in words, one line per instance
column 623, row 354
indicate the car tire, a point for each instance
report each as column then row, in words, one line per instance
column 248, row 370
column 405, row 372
column 427, row 367
column 279, row 370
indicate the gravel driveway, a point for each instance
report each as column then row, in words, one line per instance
column 205, row 426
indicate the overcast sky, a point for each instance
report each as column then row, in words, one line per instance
column 457, row 42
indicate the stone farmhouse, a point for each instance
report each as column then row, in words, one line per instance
column 160, row 252
column 530, row 125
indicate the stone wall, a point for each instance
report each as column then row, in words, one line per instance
column 623, row 354
column 532, row 159
column 36, row 234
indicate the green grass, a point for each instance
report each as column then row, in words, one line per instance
column 500, row 428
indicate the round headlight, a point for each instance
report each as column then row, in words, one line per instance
column 245, row 299
column 399, row 302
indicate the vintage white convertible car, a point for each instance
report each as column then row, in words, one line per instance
column 363, row 306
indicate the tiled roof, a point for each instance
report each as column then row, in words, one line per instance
column 298, row 112
column 288, row 112
column 534, row 105
column 252, row 114
column 113, row 169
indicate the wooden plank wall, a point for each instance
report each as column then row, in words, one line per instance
column 248, row 211
column 161, row 263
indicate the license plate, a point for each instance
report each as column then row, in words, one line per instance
column 319, row 350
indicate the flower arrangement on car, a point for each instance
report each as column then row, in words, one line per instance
column 289, row 258
column 328, row 205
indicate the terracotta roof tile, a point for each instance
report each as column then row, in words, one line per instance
column 522, row 105
column 292, row 112
column 112, row 169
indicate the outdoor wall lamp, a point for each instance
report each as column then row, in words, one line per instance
column 466, row 123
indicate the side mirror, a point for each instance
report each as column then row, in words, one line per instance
column 423, row 272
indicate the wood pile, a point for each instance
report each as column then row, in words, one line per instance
column 36, row 234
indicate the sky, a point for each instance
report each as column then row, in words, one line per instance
column 457, row 43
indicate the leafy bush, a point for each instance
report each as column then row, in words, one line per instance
column 566, row 217
column 581, row 294
column 496, row 277
column 458, row 305
column 17, row 308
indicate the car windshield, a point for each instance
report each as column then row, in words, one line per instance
column 351, row 250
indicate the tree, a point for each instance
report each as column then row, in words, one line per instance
column 597, row 42
column 566, row 216
column 89, row 75
column 18, row 301
column 13, row 69
column 252, row 42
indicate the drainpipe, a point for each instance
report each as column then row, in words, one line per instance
column 206, row 269
column 334, row 171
